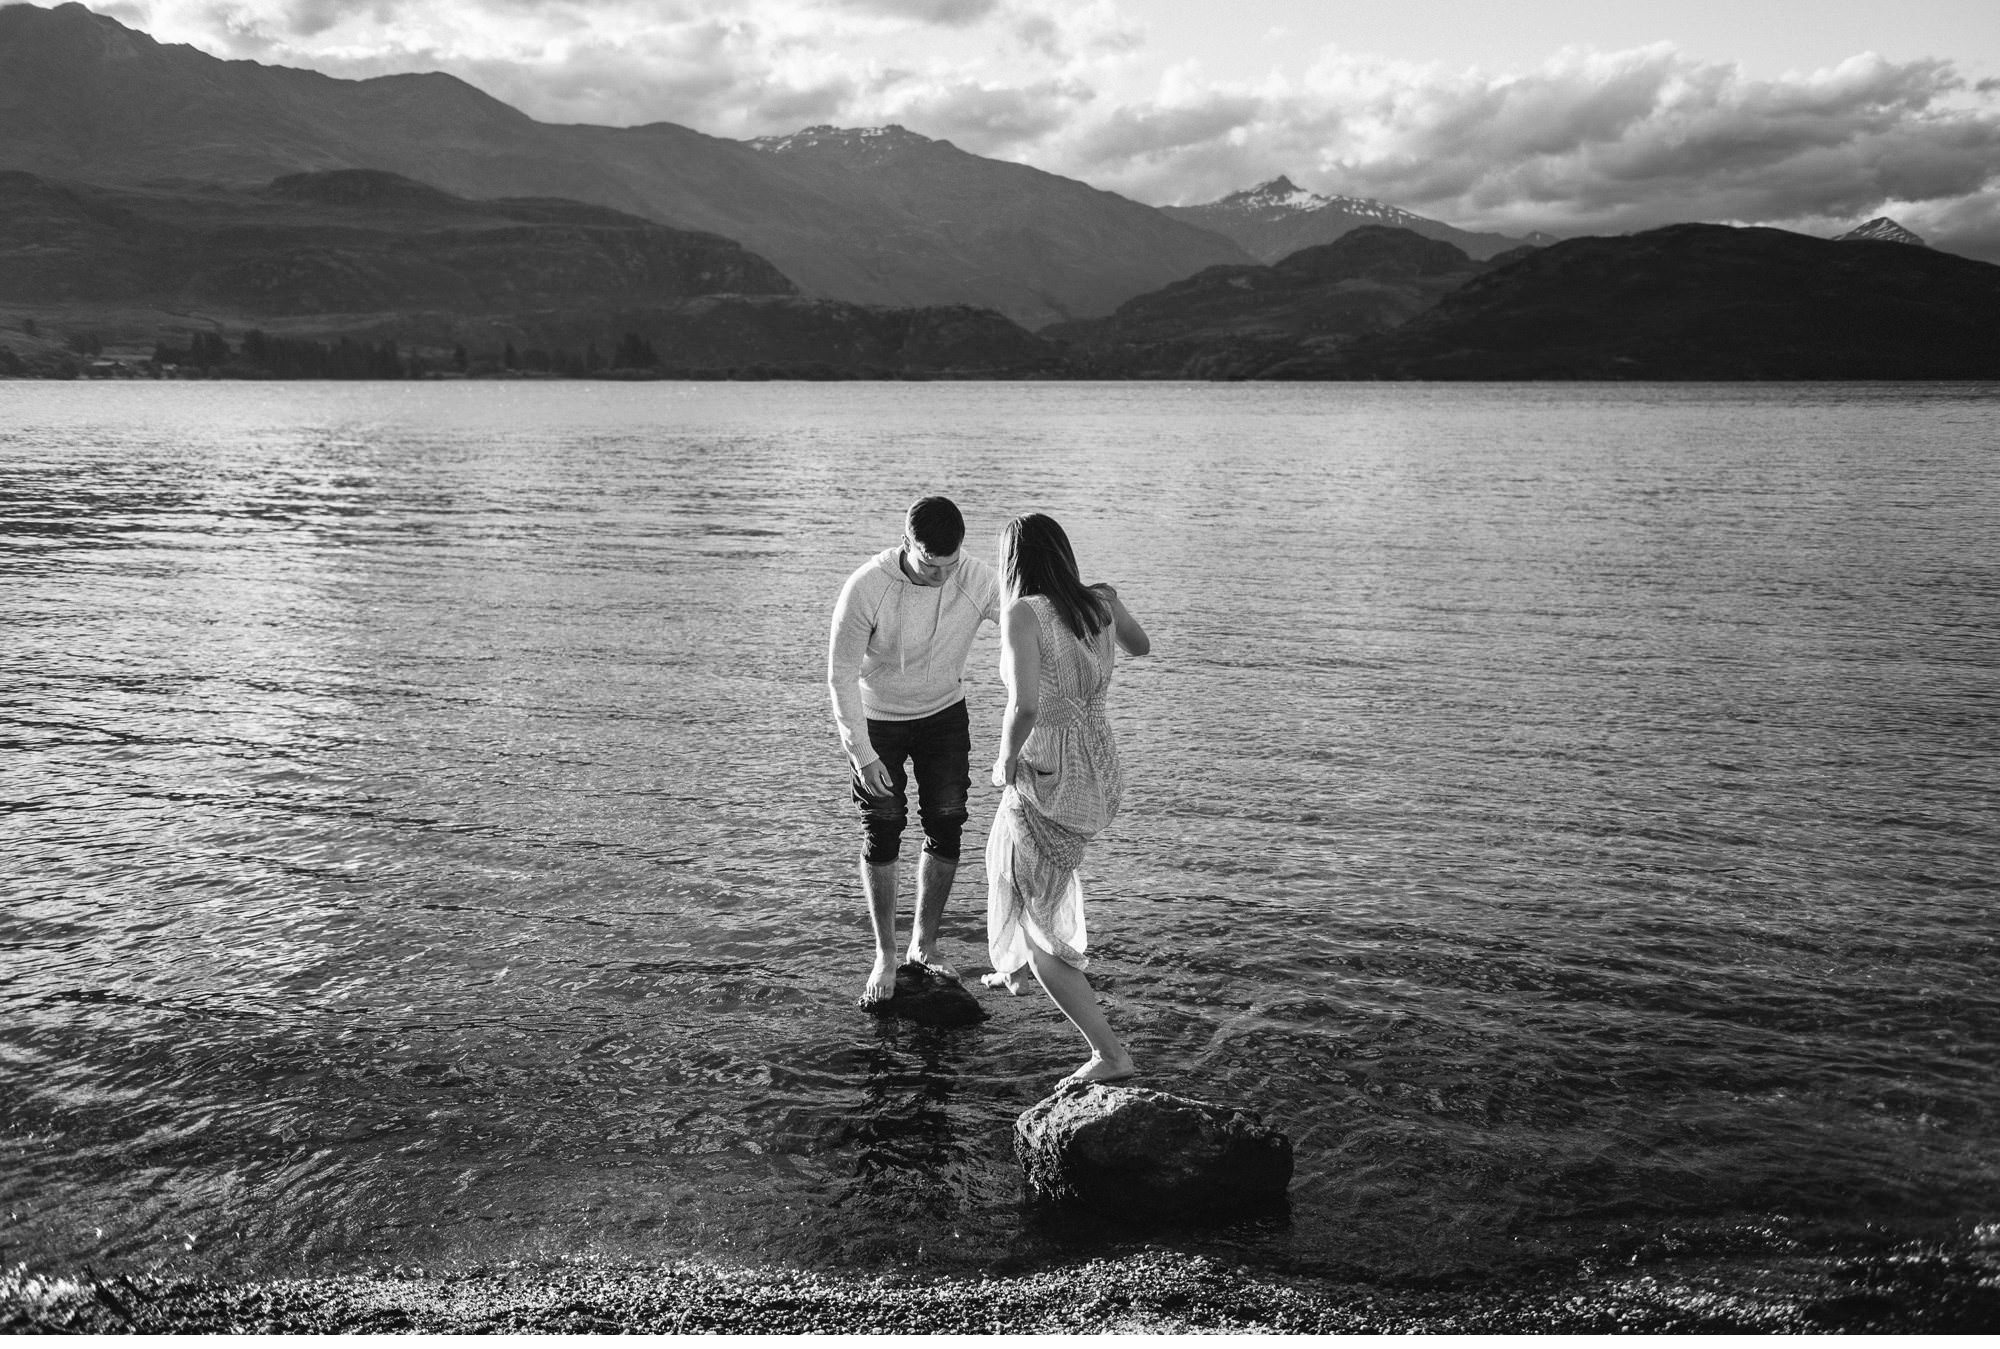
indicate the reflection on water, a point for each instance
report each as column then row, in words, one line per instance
column 1566, row 812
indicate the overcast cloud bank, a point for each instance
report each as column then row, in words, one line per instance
column 1588, row 142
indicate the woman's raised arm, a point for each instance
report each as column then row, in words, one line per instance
column 1132, row 638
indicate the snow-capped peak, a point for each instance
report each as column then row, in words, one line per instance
column 1281, row 196
column 1884, row 229
column 815, row 137
column 1279, row 192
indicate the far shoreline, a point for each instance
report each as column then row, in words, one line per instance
column 755, row 375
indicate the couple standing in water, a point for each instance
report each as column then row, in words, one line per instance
column 902, row 630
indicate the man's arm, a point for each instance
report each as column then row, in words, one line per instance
column 845, row 648
column 990, row 598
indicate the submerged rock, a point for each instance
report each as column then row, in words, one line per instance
column 1127, row 1148
column 930, row 997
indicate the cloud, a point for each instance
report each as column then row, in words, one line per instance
column 1039, row 34
column 944, row 13
column 127, row 12
column 1968, row 224
column 309, row 18
column 1585, row 142
column 1590, row 142
column 728, row 67
column 1159, row 134
column 996, row 119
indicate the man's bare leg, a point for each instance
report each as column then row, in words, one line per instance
column 1070, row 990
column 934, row 876
column 879, row 884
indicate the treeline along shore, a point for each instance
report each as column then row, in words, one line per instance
column 257, row 355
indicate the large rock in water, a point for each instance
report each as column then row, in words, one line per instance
column 930, row 997
column 1128, row 1149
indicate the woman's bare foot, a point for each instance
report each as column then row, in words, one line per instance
column 881, row 985
column 1009, row 980
column 1101, row 1069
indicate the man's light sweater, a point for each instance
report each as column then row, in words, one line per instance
column 898, row 649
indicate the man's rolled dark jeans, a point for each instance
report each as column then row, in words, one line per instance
column 939, row 749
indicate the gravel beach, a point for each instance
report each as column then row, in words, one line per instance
column 1149, row 1291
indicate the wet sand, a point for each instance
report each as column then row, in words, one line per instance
column 1148, row 1291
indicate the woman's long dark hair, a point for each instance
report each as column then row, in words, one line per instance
column 1035, row 559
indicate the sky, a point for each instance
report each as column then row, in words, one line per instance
column 1572, row 116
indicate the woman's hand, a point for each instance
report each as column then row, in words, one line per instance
column 1132, row 638
column 1003, row 770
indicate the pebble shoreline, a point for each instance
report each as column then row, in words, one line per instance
column 1151, row 1292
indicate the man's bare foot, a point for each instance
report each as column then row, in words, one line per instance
column 1009, row 980
column 1101, row 1069
column 929, row 962
column 881, row 985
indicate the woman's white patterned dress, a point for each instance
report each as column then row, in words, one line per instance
column 1065, row 790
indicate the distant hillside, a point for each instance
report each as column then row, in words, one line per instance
column 1036, row 246
column 884, row 217
column 363, row 256
column 799, row 335
column 347, row 242
column 1277, row 218
column 1244, row 322
column 1700, row 302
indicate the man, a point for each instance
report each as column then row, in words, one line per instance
column 895, row 663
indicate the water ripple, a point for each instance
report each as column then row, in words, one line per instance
column 1566, row 812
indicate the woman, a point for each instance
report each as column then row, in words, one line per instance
column 1060, row 769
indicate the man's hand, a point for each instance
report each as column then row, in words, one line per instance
column 874, row 777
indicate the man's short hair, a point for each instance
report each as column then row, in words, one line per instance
column 936, row 526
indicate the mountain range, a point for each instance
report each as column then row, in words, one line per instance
column 350, row 241
column 1277, row 218
column 880, row 216
column 1677, row 303
column 181, row 199
column 1699, row 302
column 372, row 257
column 1245, row 321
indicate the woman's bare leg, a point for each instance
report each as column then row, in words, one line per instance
column 1070, row 990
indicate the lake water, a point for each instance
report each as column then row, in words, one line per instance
column 1568, row 812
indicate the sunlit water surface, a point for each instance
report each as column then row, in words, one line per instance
column 1567, row 812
